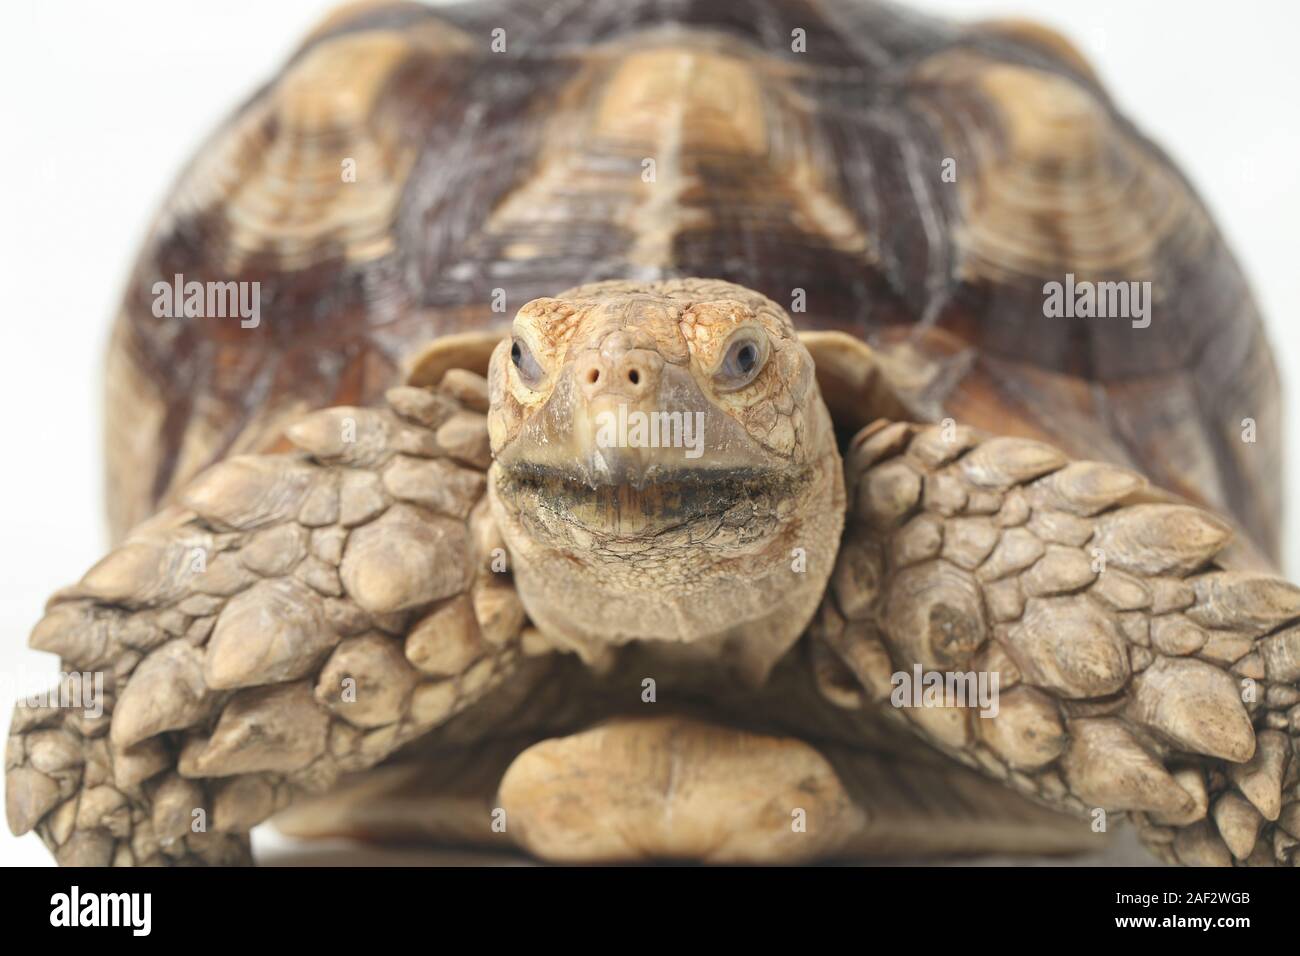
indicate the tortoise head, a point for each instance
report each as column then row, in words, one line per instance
column 662, row 449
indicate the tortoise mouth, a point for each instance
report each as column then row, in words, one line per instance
column 654, row 501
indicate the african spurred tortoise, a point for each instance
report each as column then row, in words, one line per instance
column 640, row 575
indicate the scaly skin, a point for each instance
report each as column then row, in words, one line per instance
column 1138, row 675
column 301, row 616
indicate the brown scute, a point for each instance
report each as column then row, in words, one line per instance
column 487, row 180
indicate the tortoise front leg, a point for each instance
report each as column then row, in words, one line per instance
column 1138, row 672
column 295, row 618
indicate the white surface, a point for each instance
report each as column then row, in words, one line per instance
column 103, row 102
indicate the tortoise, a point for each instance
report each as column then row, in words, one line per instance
column 802, row 526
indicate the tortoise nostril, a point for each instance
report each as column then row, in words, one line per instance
column 634, row 376
column 593, row 376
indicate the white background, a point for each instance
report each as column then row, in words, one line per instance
column 103, row 102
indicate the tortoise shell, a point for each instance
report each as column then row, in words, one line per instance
column 416, row 172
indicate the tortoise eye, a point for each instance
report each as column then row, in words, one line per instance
column 745, row 357
column 529, row 369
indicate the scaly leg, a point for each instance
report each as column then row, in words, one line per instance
column 296, row 617
column 1139, row 673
